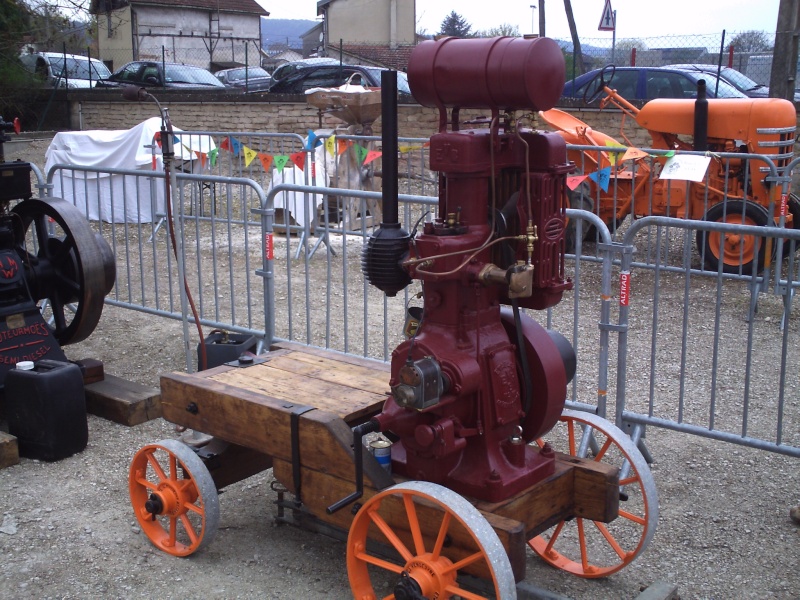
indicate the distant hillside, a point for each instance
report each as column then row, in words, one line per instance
column 284, row 32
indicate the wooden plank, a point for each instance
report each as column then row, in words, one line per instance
column 347, row 402
column 353, row 360
column 578, row 488
column 228, row 463
column 9, row 450
column 122, row 401
column 320, row 490
column 259, row 422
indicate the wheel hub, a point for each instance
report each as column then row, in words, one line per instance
column 426, row 576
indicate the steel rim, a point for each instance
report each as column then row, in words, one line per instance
column 593, row 549
column 173, row 497
column 425, row 556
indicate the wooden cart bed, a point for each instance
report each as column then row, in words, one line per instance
column 294, row 411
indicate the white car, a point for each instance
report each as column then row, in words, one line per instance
column 80, row 71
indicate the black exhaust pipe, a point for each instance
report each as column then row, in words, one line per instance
column 388, row 246
column 701, row 118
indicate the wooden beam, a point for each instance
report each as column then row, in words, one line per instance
column 122, row 401
column 9, row 450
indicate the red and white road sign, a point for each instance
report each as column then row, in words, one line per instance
column 608, row 22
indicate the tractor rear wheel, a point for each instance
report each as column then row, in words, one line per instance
column 739, row 253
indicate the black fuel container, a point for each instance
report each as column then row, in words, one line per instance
column 46, row 409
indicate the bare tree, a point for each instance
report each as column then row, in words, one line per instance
column 751, row 41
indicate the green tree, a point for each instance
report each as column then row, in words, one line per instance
column 455, row 25
column 505, row 29
column 751, row 41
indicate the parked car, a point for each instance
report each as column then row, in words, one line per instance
column 287, row 68
column 157, row 74
column 736, row 78
column 251, row 79
column 648, row 83
column 80, row 72
column 330, row 76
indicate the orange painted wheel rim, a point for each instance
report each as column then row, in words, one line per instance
column 592, row 549
column 173, row 497
column 423, row 555
column 737, row 249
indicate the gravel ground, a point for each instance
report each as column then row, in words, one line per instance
column 68, row 530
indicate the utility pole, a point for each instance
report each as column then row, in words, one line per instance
column 784, row 58
column 541, row 18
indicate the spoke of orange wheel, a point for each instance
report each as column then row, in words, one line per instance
column 610, row 539
column 145, row 483
column 390, row 535
column 462, row 593
column 603, row 450
column 413, row 523
column 582, row 544
column 156, row 466
column 632, row 517
column 554, row 537
column 379, row 562
column 194, row 508
column 443, row 529
column 187, row 525
column 173, row 467
column 472, row 558
column 173, row 531
column 571, row 429
column 629, row 480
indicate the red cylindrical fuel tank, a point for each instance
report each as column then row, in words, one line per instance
column 498, row 73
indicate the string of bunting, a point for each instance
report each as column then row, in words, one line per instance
column 602, row 177
column 334, row 147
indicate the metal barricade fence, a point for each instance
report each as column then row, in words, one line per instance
column 708, row 353
column 326, row 302
column 219, row 253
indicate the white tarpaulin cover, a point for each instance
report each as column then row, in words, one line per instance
column 113, row 197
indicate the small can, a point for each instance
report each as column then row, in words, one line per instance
column 382, row 451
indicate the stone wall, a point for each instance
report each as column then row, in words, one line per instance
column 103, row 110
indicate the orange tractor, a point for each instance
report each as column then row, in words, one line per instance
column 734, row 189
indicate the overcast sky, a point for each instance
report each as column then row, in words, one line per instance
column 635, row 18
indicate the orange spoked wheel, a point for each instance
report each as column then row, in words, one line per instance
column 736, row 251
column 426, row 534
column 593, row 549
column 174, row 497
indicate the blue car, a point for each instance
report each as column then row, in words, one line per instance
column 648, row 83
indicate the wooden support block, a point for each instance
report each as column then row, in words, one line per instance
column 91, row 370
column 123, row 401
column 9, row 450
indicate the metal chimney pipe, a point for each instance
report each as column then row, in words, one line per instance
column 389, row 147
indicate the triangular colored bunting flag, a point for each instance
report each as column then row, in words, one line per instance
column 249, row 155
column 612, row 157
column 226, row 144
column 404, row 149
column 575, row 180
column 266, row 161
column 633, row 154
column 202, row 157
column 361, row 152
column 669, row 154
column 237, row 146
column 602, row 177
column 313, row 140
column 280, row 162
column 372, row 155
column 330, row 145
column 212, row 155
column 342, row 146
column 299, row 158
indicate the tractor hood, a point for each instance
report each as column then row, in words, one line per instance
column 728, row 118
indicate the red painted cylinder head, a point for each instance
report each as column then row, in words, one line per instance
column 508, row 73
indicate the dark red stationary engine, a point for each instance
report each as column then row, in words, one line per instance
column 479, row 380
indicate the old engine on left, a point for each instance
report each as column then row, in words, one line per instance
column 54, row 269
